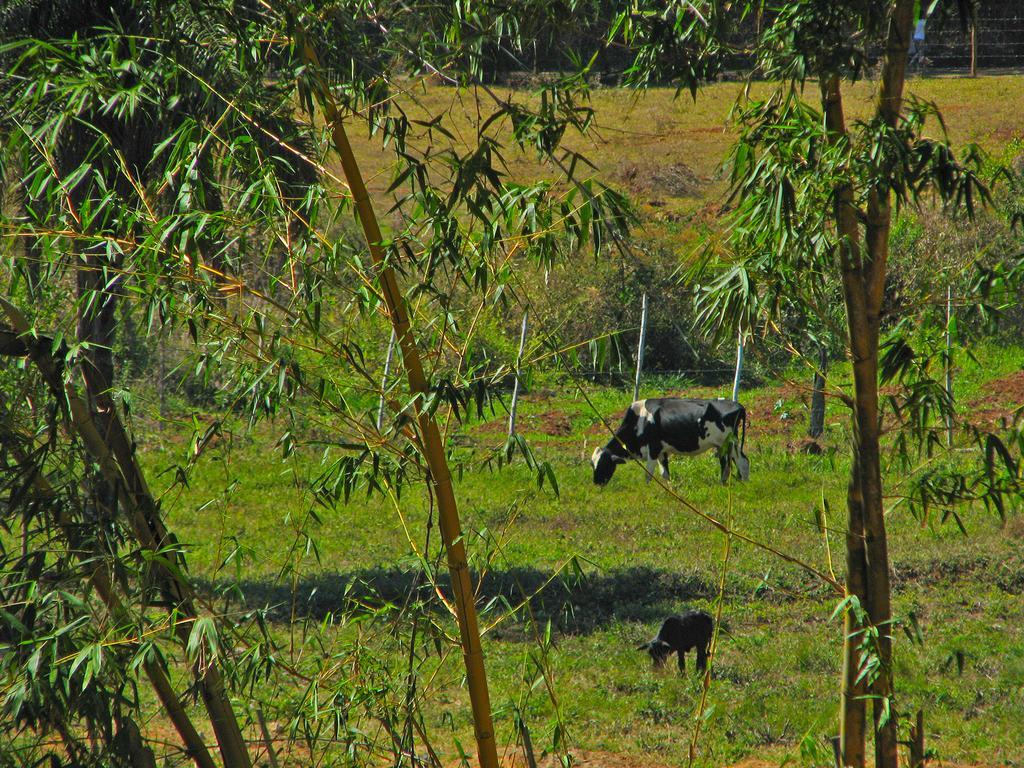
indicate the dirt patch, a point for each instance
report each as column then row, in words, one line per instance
column 779, row 412
column 492, row 427
column 609, row 760
column 1008, row 390
column 596, row 759
column 671, row 179
column 1001, row 401
column 1006, row 134
column 550, row 423
column 599, row 759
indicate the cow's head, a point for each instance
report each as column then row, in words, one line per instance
column 659, row 651
column 743, row 465
column 604, row 462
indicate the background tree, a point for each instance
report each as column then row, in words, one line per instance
column 165, row 169
column 816, row 196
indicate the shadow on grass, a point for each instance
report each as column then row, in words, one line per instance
column 573, row 604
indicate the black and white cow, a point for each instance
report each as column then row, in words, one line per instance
column 652, row 429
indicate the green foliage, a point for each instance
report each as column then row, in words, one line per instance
column 168, row 182
column 168, row 185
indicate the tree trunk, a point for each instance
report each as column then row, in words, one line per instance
column 105, row 439
column 853, row 709
column 879, row 220
column 863, row 292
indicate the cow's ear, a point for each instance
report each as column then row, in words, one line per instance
column 644, row 647
column 619, row 459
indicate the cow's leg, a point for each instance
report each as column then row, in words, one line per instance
column 723, row 461
column 702, row 657
column 682, row 659
column 650, row 462
column 664, row 465
column 734, row 457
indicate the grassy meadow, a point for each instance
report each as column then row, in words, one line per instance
column 616, row 560
column 604, row 566
column 666, row 149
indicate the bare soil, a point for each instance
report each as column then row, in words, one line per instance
column 1002, row 400
column 654, row 179
column 595, row 759
column 599, row 759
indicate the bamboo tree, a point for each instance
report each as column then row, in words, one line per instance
column 194, row 145
column 866, row 375
column 815, row 198
column 105, row 439
column 439, row 476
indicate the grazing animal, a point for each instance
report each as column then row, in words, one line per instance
column 680, row 634
column 651, row 429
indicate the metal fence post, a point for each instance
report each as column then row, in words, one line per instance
column 515, row 386
column 739, row 366
column 640, row 348
column 384, row 380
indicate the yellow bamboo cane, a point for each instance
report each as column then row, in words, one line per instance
column 439, row 475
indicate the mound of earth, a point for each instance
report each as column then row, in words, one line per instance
column 671, row 179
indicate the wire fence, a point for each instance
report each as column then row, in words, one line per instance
column 998, row 43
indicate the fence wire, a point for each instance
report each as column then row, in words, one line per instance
column 999, row 44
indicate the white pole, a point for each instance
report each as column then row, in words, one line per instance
column 739, row 366
column 640, row 348
column 384, row 380
column 515, row 386
column 949, row 363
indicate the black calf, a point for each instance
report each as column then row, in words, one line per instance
column 679, row 634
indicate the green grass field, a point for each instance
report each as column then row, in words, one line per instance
column 666, row 150
column 623, row 557
column 605, row 566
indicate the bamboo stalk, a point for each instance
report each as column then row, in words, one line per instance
column 433, row 447
column 112, row 452
column 853, row 710
column 879, row 221
column 384, row 380
column 917, row 756
column 194, row 745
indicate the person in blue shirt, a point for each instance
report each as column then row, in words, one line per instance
column 917, row 44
